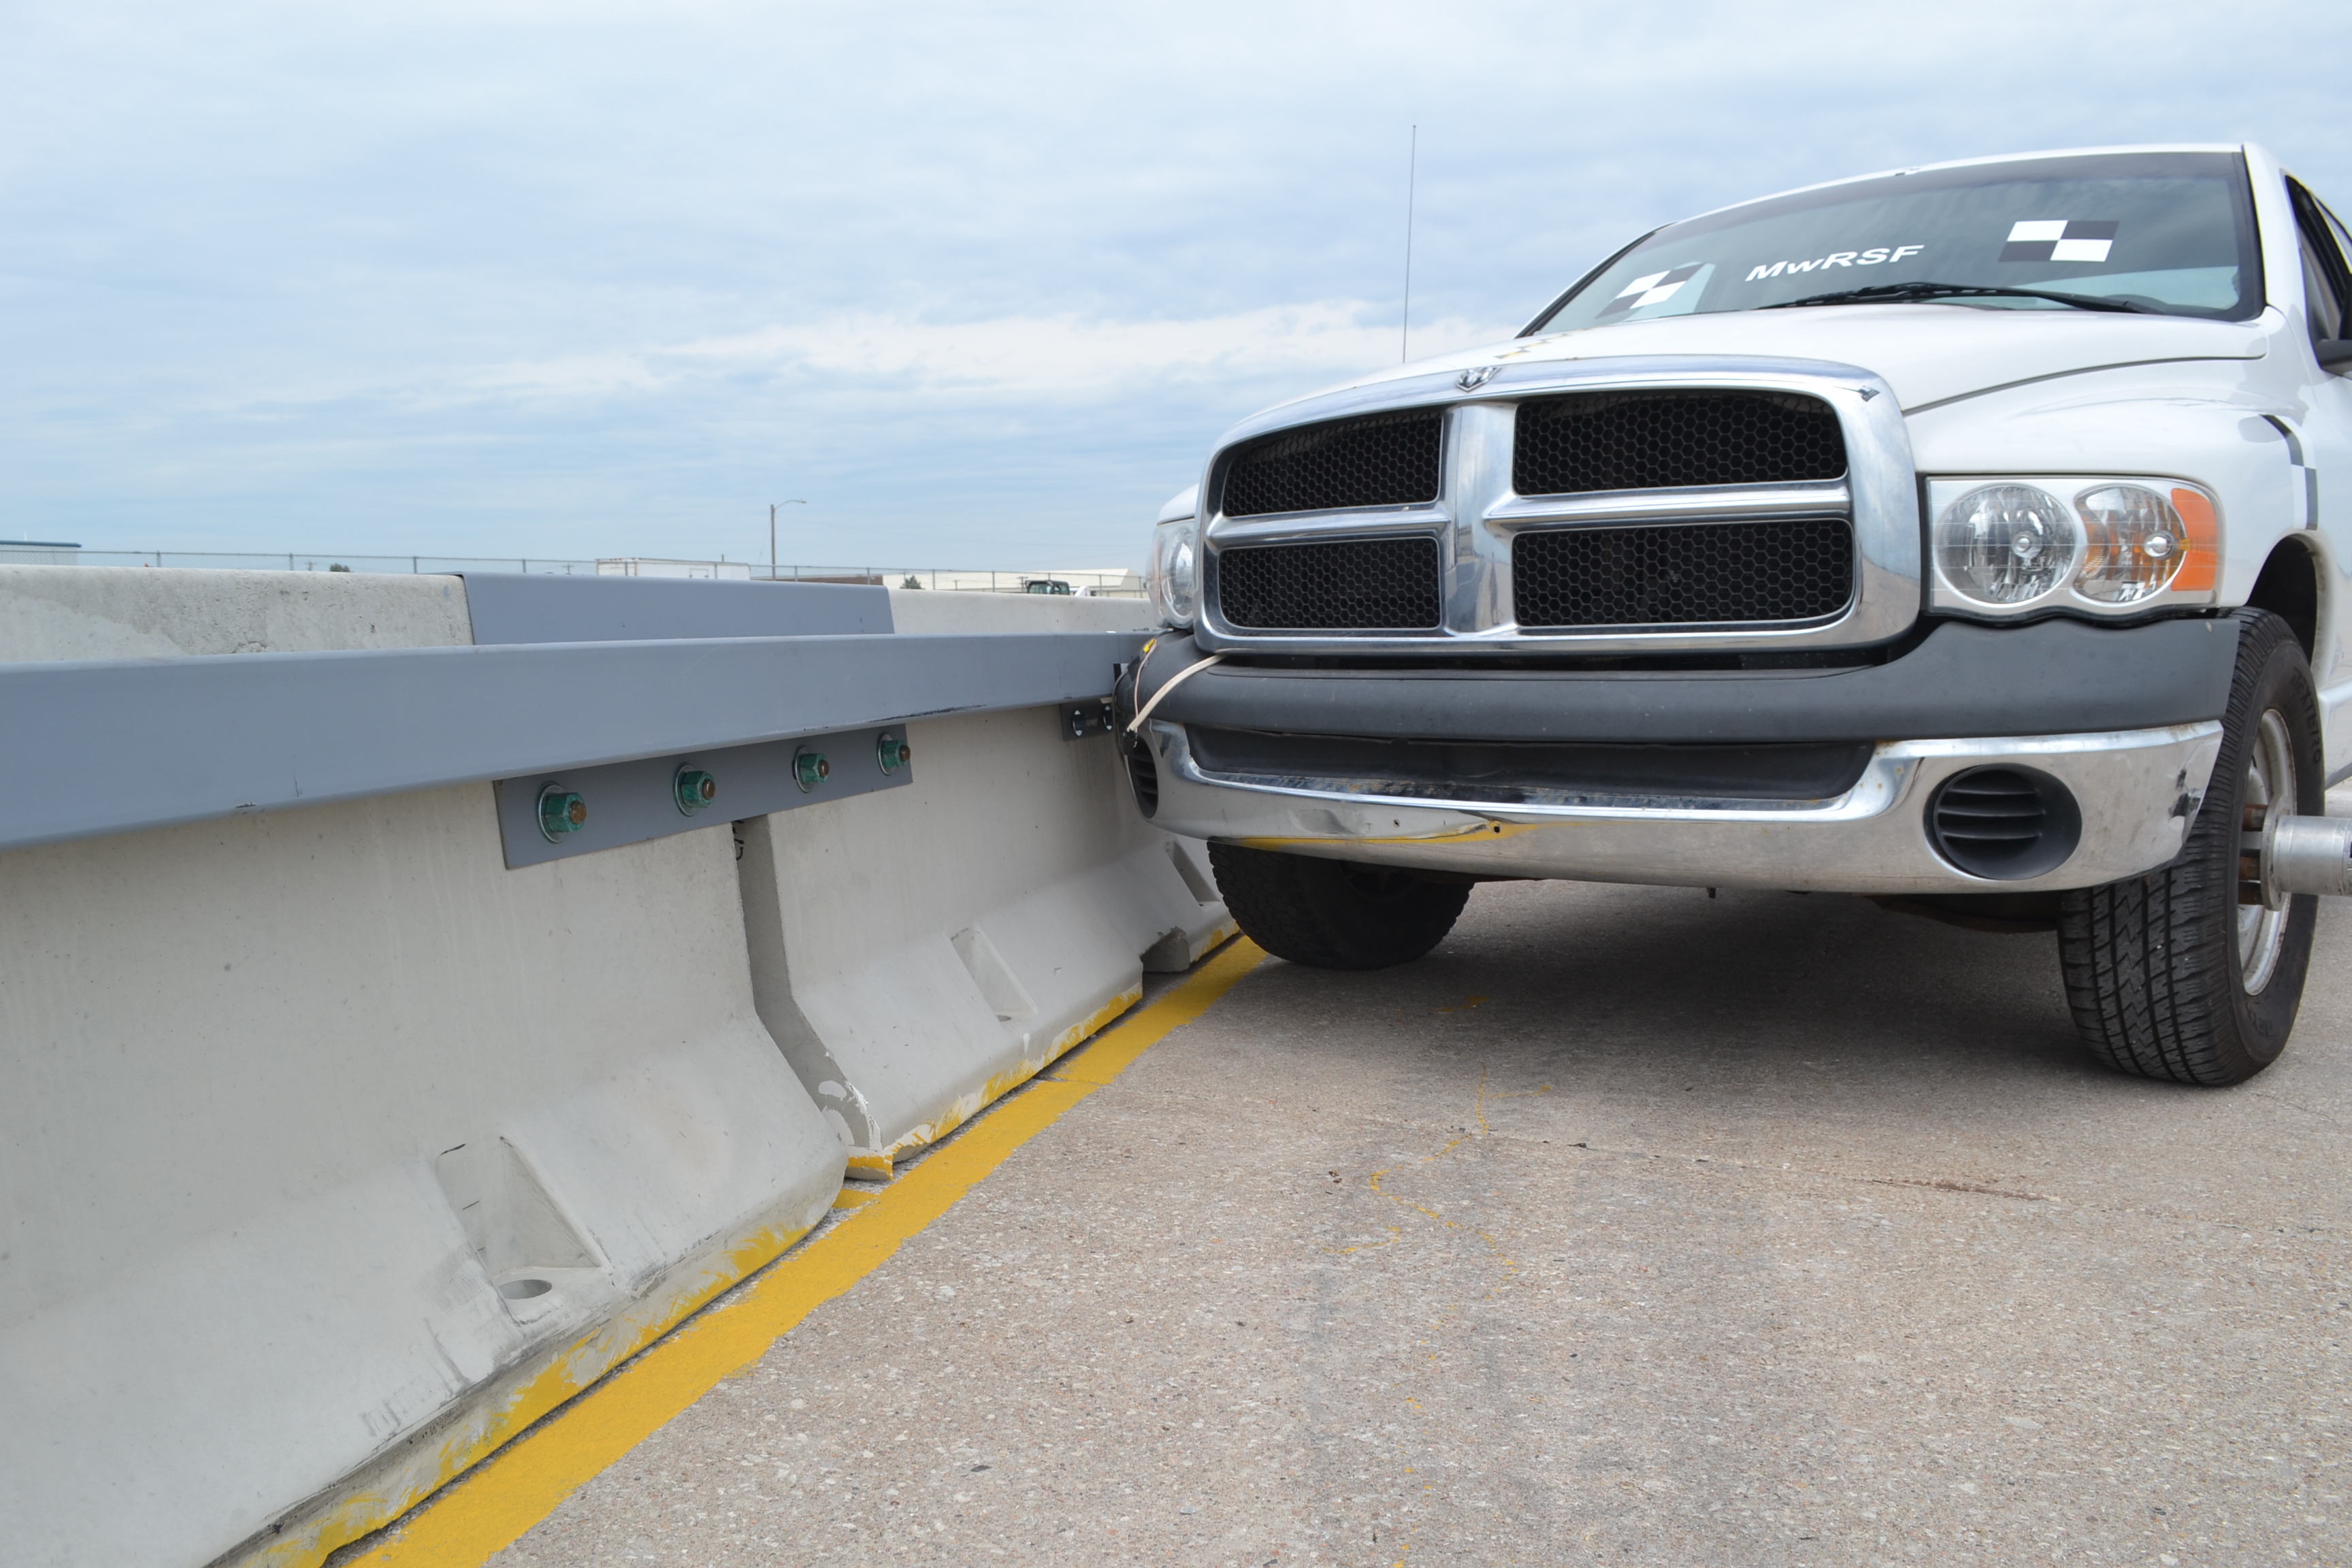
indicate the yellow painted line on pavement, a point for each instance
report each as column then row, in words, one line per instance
column 492, row 1506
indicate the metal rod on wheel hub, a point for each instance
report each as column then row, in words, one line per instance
column 2295, row 855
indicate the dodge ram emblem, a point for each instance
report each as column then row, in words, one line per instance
column 1471, row 380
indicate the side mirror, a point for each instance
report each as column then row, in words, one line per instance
column 2333, row 352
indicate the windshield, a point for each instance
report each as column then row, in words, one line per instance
column 2164, row 231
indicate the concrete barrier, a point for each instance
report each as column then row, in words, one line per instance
column 918, row 953
column 342, row 1142
column 335, row 1153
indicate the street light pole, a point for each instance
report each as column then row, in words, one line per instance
column 771, row 533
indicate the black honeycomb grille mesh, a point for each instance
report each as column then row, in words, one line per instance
column 1389, row 460
column 1683, row 573
column 1351, row 585
column 1658, row 440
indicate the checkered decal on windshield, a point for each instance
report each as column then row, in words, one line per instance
column 1654, row 289
column 2059, row 239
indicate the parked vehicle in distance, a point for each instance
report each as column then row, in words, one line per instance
column 1955, row 536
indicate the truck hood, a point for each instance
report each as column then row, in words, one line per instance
column 1930, row 354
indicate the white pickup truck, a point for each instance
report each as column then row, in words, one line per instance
column 1969, row 536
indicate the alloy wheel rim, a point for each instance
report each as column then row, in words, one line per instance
column 2269, row 779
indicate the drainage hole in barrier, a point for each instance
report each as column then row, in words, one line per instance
column 524, row 1290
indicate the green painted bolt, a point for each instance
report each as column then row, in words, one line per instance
column 892, row 752
column 560, row 811
column 693, row 789
column 809, row 769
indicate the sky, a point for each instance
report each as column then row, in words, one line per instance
column 981, row 284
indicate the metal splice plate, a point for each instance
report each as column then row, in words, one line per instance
column 629, row 803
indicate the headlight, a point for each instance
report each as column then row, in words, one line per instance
column 1174, row 579
column 2138, row 540
column 2003, row 546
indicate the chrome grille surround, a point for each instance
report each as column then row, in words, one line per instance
column 1477, row 513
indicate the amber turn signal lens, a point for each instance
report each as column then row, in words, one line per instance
column 2200, row 564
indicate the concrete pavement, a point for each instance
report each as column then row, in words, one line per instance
column 1631, row 1226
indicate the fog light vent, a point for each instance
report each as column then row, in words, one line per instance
column 2004, row 824
column 1143, row 775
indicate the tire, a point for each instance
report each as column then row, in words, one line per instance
column 2167, row 974
column 1334, row 914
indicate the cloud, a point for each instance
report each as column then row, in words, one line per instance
column 1038, row 357
column 985, row 281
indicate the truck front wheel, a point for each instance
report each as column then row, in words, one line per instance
column 1333, row 914
column 2169, row 974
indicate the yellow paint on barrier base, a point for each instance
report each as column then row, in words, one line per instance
column 492, row 1508
column 968, row 1106
column 531, row 1394
column 1214, row 940
column 482, row 1432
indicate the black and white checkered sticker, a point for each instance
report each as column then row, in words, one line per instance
column 2059, row 239
column 1654, row 290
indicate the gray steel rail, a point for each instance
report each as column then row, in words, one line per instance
column 109, row 746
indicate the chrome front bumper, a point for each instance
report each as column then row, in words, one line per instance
column 2139, row 790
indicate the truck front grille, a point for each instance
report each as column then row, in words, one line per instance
column 1387, row 459
column 1357, row 584
column 1698, row 573
column 1667, row 439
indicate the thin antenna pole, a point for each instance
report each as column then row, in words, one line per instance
column 1412, row 166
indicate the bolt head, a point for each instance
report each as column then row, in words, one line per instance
column 694, row 789
column 560, row 811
